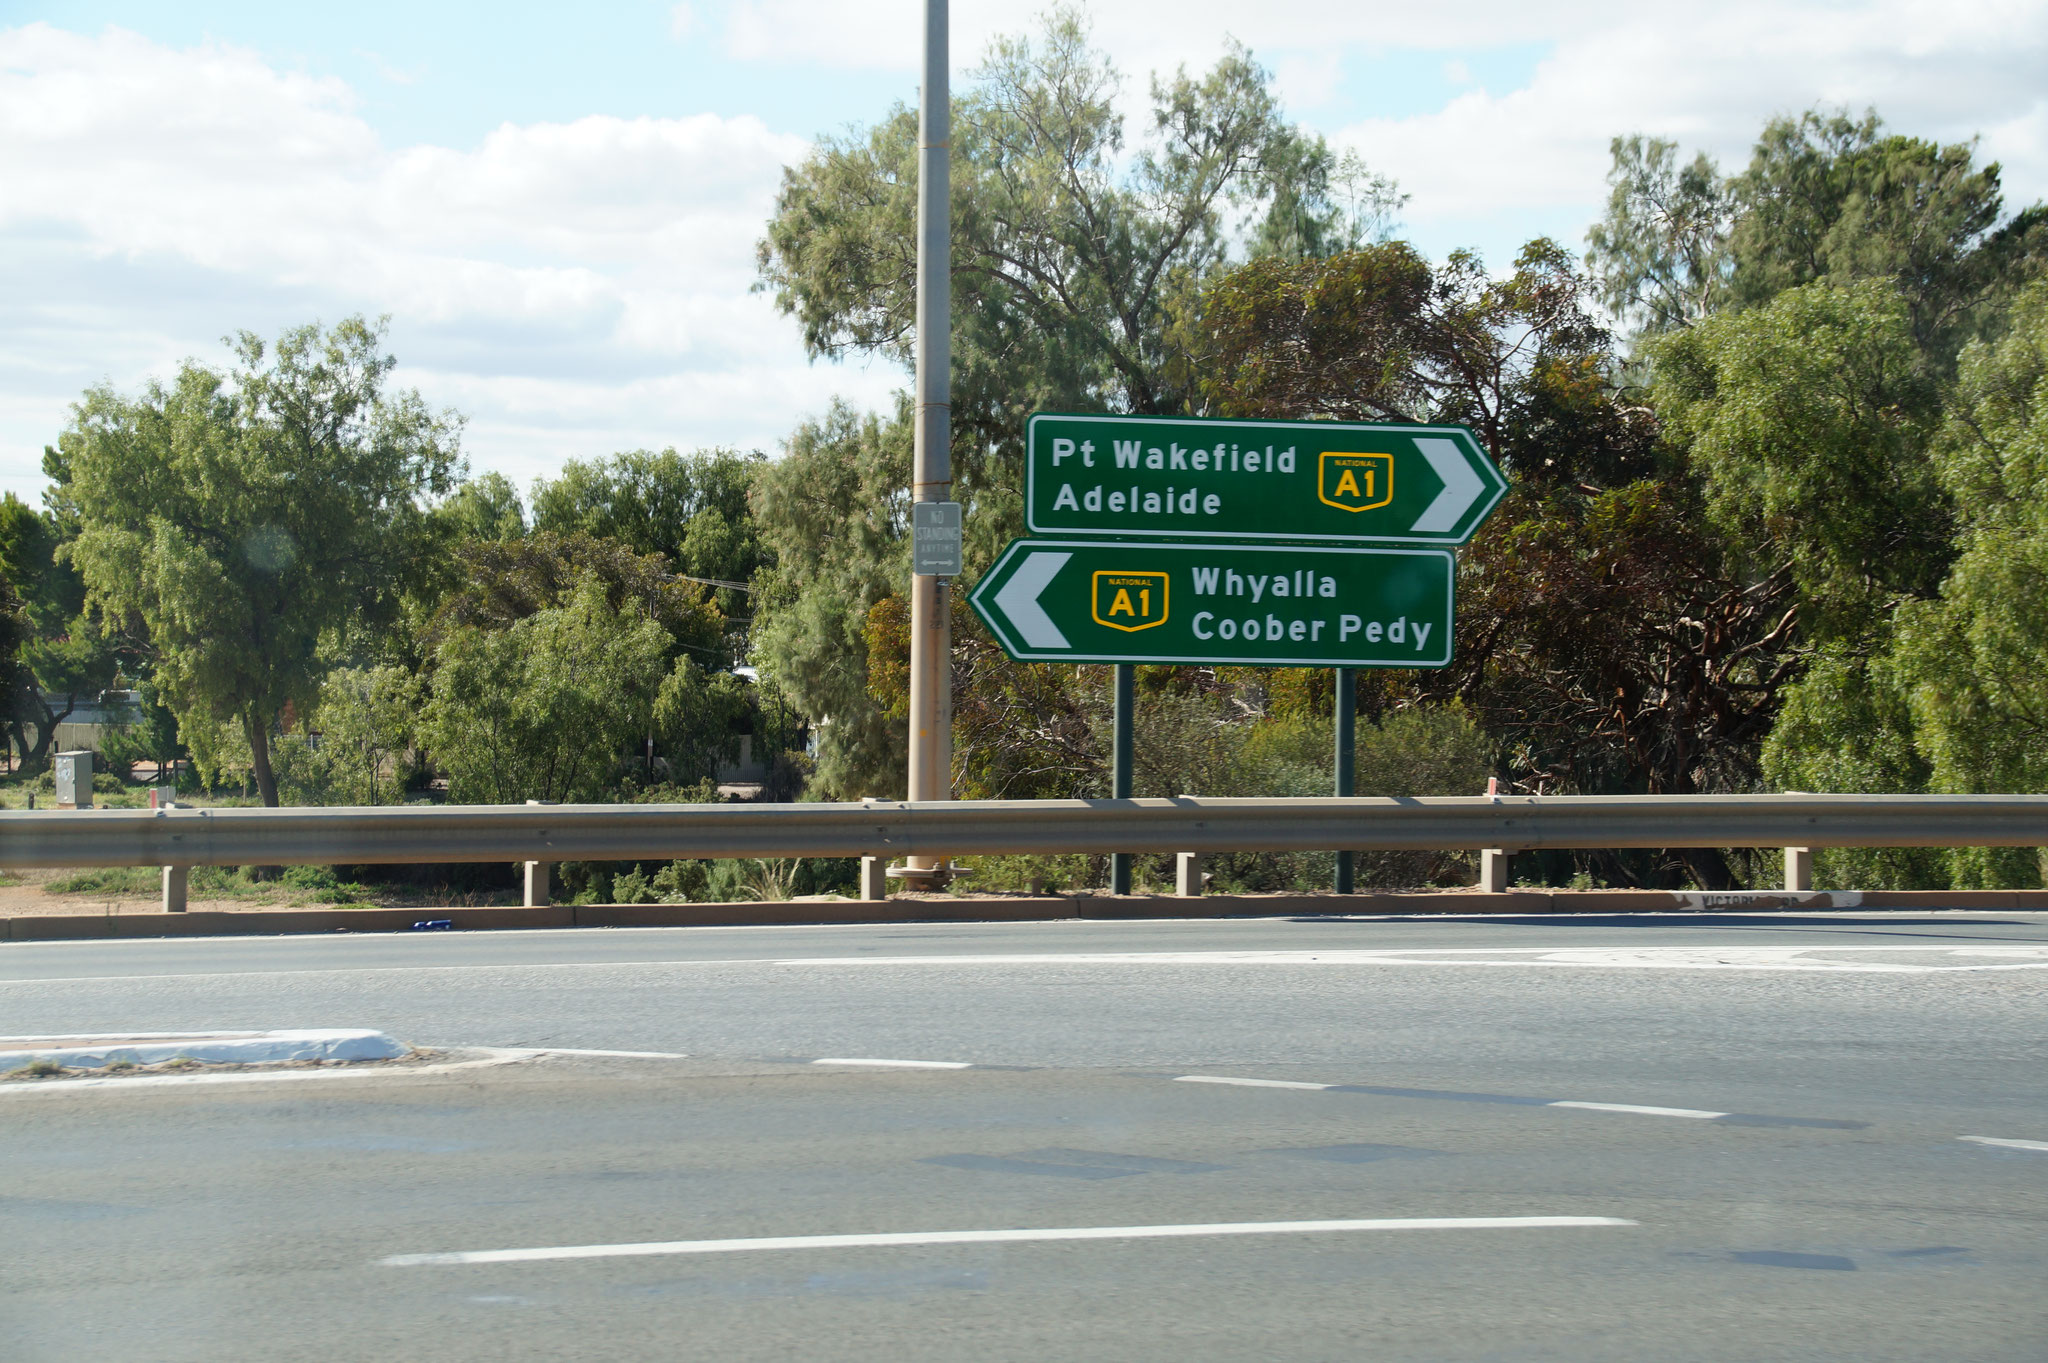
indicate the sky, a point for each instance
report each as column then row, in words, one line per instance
column 557, row 206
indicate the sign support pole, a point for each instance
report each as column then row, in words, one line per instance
column 931, row 632
column 1347, row 756
column 1120, row 771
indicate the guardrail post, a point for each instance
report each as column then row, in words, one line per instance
column 176, row 879
column 537, row 877
column 1493, row 870
column 1187, row 874
column 1799, row 868
column 874, row 878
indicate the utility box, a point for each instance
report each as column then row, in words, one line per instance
column 74, row 779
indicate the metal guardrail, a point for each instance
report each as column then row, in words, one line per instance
column 554, row 833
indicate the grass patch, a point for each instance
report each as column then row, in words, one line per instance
column 108, row 881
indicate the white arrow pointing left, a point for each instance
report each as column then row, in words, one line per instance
column 1462, row 487
column 1018, row 600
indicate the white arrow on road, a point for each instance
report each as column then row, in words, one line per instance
column 1462, row 487
column 1018, row 600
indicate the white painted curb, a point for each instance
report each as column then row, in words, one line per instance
column 236, row 1048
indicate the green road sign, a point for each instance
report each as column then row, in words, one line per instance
column 1172, row 478
column 1094, row 601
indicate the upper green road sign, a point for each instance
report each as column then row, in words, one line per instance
column 1256, row 605
column 1181, row 479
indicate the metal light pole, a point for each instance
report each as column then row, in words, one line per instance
column 931, row 625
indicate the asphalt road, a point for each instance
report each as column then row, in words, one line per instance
column 1659, row 1137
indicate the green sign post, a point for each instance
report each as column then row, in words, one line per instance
column 1091, row 601
column 1256, row 481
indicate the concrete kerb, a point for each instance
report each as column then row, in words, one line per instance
column 97, row 1051
column 994, row 909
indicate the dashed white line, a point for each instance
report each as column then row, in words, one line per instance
column 898, row 1064
column 1638, row 1108
column 986, row 1237
column 2004, row 1143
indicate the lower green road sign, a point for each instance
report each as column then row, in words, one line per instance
column 1083, row 601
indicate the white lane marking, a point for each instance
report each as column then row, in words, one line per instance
column 257, row 1076
column 1802, row 958
column 623, row 1055
column 986, row 1237
column 1633, row 1107
column 1637, row 1108
column 1669, row 958
column 901, row 1064
column 156, row 946
column 2004, row 1143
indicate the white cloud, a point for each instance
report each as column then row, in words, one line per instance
column 1706, row 74
column 581, row 286
column 573, row 286
column 1938, row 71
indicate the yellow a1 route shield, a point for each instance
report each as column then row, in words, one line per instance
column 1251, row 605
column 1131, row 601
column 1355, row 482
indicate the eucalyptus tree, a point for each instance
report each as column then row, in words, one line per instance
column 246, row 518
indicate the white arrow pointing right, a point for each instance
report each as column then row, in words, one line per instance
column 1462, row 487
column 1018, row 600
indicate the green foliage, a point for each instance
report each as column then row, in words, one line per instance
column 680, row 882
column 1824, row 197
column 1067, row 246
column 13, row 629
column 1845, row 729
column 697, row 717
column 1378, row 334
column 60, row 647
column 1808, row 420
column 1661, row 254
column 243, row 518
column 714, row 881
column 486, row 507
column 1972, row 665
column 545, row 707
column 365, row 719
column 836, row 510
column 320, row 884
column 153, row 739
column 1216, row 742
column 1345, row 336
column 505, row 581
column 692, row 509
